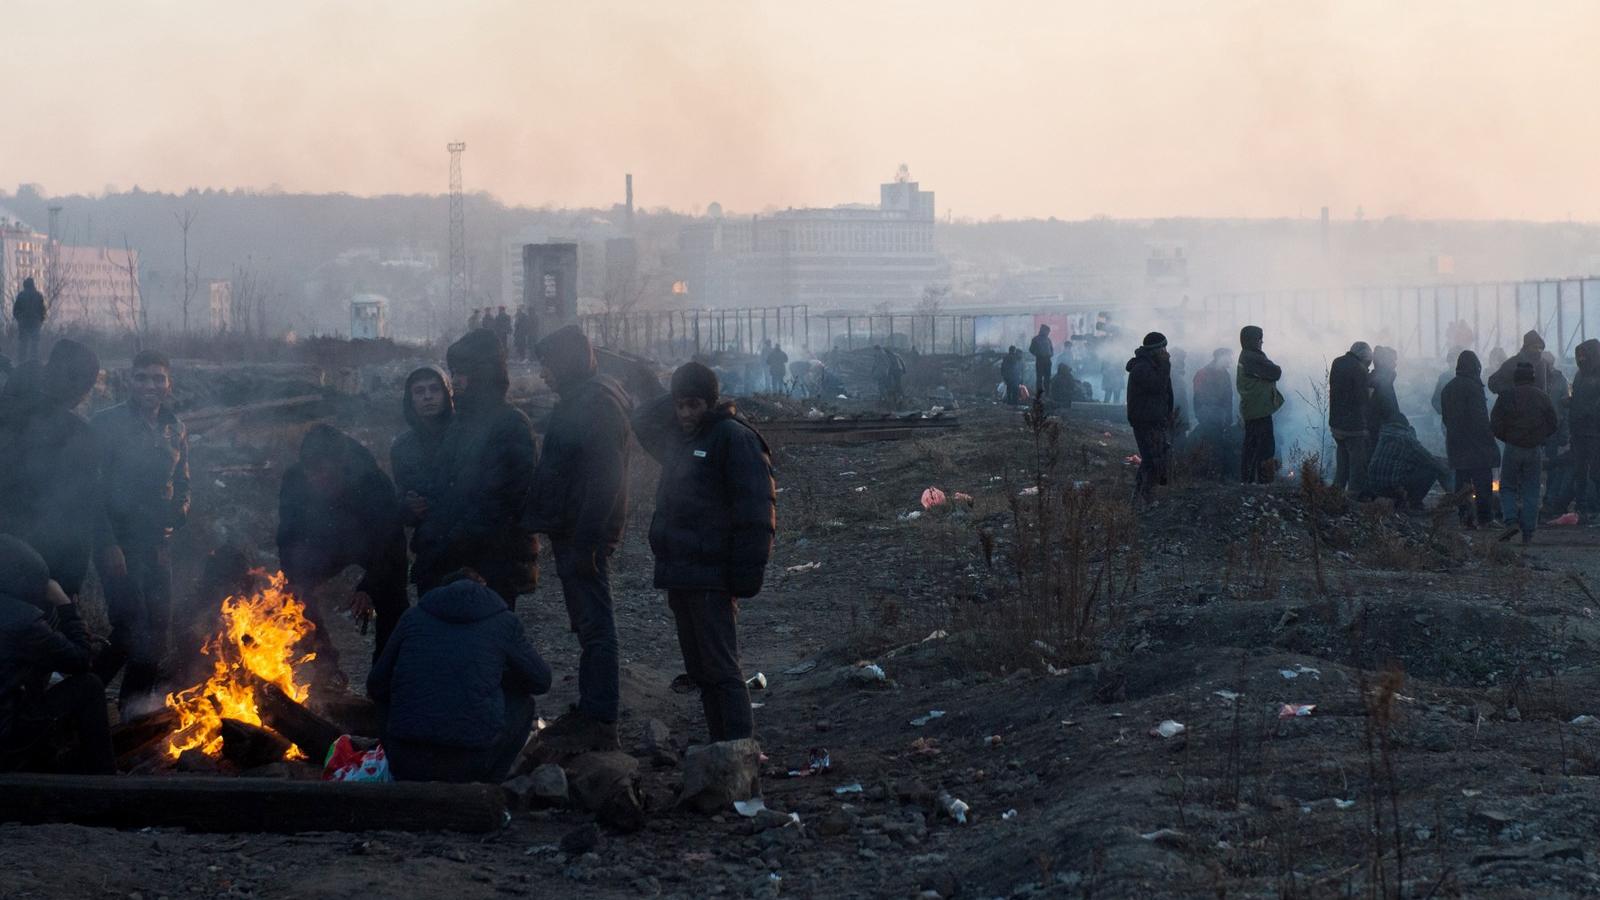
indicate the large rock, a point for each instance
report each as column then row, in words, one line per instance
column 607, row 784
column 717, row 775
column 655, row 742
column 544, row 786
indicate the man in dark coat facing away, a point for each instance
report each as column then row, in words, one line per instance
column 41, row 634
column 1503, row 379
column 716, row 513
column 1257, row 383
column 486, row 466
column 145, row 471
column 1215, row 413
column 336, row 509
column 1468, row 441
column 1043, row 350
column 1011, row 375
column 29, row 312
column 1151, row 411
column 579, row 499
column 522, row 332
column 1348, row 386
column 1583, row 421
column 1523, row 418
column 457, row 679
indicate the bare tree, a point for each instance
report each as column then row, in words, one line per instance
column 129, row 313
column 624, row 289
column 191, row 277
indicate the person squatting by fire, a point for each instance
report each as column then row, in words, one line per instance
column 456, row 517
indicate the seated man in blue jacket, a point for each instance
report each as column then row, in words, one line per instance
column 458, row 677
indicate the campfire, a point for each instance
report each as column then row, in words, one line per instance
column 254, row 648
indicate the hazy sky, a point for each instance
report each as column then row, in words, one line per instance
column 1450, row 109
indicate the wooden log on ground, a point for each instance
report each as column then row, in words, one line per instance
column 136, row 733
column 217, row 804
column 305, row 729
column 248, row 746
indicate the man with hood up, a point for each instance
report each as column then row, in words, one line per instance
column 1348, row 386
column 1011, row 374
column 41, row 634
column 1583, row 421
column 1504, row 378
column 50, row 488
column 1468, row 441
column 336, row 509
column 28, row 310
column 1558, row 482
column 145, row 471
column 1214, row 412
column 1257, row 382
column 716, row 513
column 1523, row 418
column 1043, row 350
column 457, row 679
column 579, row 499
column 1383, row 404
column 414, row 456
column 486, row 466
column 1151, row 411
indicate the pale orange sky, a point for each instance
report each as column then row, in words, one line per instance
column 1130, row 109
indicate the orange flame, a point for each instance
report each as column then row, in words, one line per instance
column 258, row 637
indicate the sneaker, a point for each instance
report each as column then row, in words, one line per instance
column 577, row 732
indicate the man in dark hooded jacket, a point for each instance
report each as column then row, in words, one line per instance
column 1469, row 443
column 716, row 513
column 50, row 488
column 457, row 679
column 145, row 471
column 40, row 634
column 1215, row 413
column 1503, row 379
column 1151, row 411
column 336, row 508
column 1011, row 375
column 1383, row 404
column 1178, row 364
column 579, row 499
column 1523, row 418
column 486, row 465
column 1043, row 350
column 1257, row 383
column 28, row 310
column 1583, row 422
column 414, row 456
column 522, row 332
column 1348, row 387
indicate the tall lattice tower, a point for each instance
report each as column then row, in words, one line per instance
column 459, row 286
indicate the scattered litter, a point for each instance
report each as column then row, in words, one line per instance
column 911, row 516
column 846, row 474
column 1343, row 804
column 920, row 721
column 1471, row 792
column 1080, row 485
column 852, row 788
column 1029, row 492
column 1009, row 814
column 1163, row 834
column 1570, row 518
column 1227, row 696
column 1116, row 715
column 1288, row 673
column 1133, row 460
column 1168, row 728
column 937, row 635
column 820, row 762
column 1068, row 723
column 955, row 809
column 925, row 746
column 1585, row 720
column 749, row 808
column 869, row 672
column 804, row 567
column 1307, row 670
column 801, row 668
column 932, row 497
column 993, row 740
column 814, row 413
column 960, row 497
column 1295, row 711
column 861, row 490
column 219, row 483
column 1052, row 670
column 754, row 705
column 756, row 682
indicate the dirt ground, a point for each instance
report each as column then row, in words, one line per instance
column 1445, row 755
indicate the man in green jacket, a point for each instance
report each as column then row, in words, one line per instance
column 1257, row 382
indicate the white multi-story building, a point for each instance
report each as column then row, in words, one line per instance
column 92, row 287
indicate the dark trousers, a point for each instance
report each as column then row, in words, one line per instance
column 27, row 341
column 1582, row 488
column 389, row 602
column 1352, row 456
column 1259, row 446
column 425, row 761
column 594, row 621
column 139, row 605
column 708, row 633
column 1041, row 379
column 1519, row 487
column 72, row 712
column 1155, row 445
column 1482, row 481
column 1013, row 393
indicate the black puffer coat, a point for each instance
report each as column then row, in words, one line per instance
column 1347, row 394
column 1464, row 406
column 1383, row 405
column 1150, row 399
column 580, row 488
column 448, row 665
column 716, row 505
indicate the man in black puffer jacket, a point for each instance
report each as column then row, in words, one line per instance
column 580, row 500
column 1469, row 443
column 716, row 513
column 458, row 677
column 1150, row 411
column 486, row 463
column 1349, row 381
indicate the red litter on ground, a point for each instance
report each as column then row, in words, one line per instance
column 1295, row 711
column 932, row 497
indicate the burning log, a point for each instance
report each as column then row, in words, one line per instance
column 305, row 729
column 248, row 746
column 135, row 734
column 250, row 805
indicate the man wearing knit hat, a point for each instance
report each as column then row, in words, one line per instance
column 1257, row 382
column 1523, row 418
column 1151, row 411
column 579, row 499
column 711, row 535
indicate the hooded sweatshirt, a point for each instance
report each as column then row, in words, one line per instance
column 449, row 664
column 1583, row 417
column 414, row 455
column 1256, row 378
column 1524, row 416
column 1532, row 353
column 1464, row 407
column 1150, row 401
